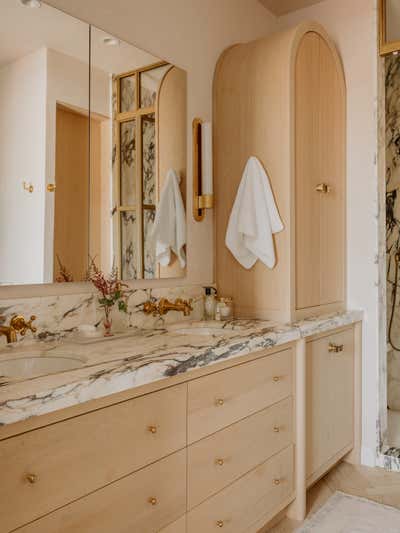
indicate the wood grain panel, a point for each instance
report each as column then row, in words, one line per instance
column 125, row 506
column 74, row 457
column 218, row 400
column 215, row 462
column 253, row 497
column 330, row 399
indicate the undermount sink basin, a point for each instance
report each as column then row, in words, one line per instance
column 28, row 367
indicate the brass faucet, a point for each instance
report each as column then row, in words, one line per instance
column 18, row 324
column 164, row 306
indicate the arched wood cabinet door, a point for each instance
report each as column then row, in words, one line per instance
column 320, row 169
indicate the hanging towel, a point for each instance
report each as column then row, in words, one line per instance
column 169, row 230
column 254, row 218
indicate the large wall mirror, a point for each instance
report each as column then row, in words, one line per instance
column 92, row 152
column 389, row 26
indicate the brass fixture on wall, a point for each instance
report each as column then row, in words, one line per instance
column 18, row 324
column 51, row 187
column 164, row 306
column 27, row 187
column 202, row 164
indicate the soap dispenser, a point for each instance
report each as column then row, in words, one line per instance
column 209, row 303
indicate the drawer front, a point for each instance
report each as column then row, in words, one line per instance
column 330, row 397
column 72, row 458
column 143, row 502
column 256, row 495
column 216, row 461
column 177, row 527
column 218, row 400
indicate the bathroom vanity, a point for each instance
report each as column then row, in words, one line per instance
column 206, row 431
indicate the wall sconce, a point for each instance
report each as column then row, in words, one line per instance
column 203, row 192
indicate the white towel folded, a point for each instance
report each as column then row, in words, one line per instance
column 254, row 218
column 169, row 230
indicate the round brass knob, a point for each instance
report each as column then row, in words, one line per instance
column 153, row 429
column 51, row 187
column 220, row 462
column 153, row 501
column 219, row 402
column 32, row 478
column 220, row 523
column 276, row 379
column 277, row 429
column 277, row 481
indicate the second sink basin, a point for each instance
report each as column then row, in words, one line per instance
column 29, row 367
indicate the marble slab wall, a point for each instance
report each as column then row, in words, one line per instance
column 57, row 316
column 392, row 89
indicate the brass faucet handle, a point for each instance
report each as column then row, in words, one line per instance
column 18, row 323
column 150, row 308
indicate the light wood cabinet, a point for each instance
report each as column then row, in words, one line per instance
column 177, row 460
column 296, row 126
column 254, row 496
column 216, row 461
column 330, row 401
column 143, row 502
column 72, row 458
column 220, row 399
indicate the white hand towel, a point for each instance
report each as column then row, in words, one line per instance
column 169, row 230
column 254, row 218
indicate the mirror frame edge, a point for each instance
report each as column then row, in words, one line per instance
column 385, row 47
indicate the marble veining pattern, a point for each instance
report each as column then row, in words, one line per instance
column 145, row 357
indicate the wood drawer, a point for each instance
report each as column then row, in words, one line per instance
column 72, row 458
column 125, row 506
column 330, row 399
column 256, row 495
column 216, row 461
column 218, row 400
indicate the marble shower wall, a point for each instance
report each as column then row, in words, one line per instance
column 392, row 82
column 57, row 316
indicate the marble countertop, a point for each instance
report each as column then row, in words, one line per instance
column 145, row 356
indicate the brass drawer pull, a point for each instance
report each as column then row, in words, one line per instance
column 153, row 429
column 220, row 523
column 276, row 379
column 219, row 462
column 219, row 402
column 277, row 481
column 153, row 501
column 277, row 429
column 32, row 478
column 335, row 348
column 323, row 187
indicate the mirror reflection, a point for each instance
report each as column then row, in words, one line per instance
column 92, row 153
column 392, row 21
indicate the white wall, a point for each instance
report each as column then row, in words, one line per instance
column 67, row 83
column 22, row 158
column 352, row 25
column 191, row 34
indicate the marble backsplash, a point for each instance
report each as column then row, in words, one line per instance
column 58, row 316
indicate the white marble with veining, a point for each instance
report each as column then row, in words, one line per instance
column 147, row 356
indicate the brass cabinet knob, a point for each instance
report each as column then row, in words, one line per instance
column 51, row 187
column 219, row 462
column 335, row 348
column 219, row 402
column 220, row 523
column 277, row 429
column 323, row 188
column 153, row 501
column 153, row 429
column 276, row 379
column 32, row 478
column 277, row 481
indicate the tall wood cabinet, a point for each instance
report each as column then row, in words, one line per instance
column 283, row 100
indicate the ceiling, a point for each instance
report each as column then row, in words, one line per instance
column 281, row 7
column 24, row 30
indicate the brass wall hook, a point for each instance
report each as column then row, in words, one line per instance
column 27, row 187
